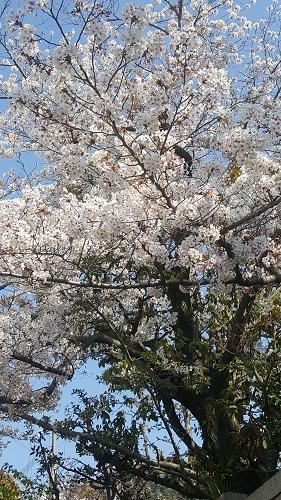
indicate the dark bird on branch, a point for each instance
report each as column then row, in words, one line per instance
column 182, row 153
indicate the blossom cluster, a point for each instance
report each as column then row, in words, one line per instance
column 104, row 107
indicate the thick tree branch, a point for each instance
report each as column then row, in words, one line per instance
column 220, row 378
column 178, row 427
column 237, row 327
column 186, row 487
column 40, row 366
column 255, row 281
column 95, row 437
column 251, row 215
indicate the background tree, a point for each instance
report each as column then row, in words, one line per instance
column 8, row 488
column 19, row 486
column 149, row 241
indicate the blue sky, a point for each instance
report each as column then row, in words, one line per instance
column 17, row 452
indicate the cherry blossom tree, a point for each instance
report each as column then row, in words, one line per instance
column 150, row 239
